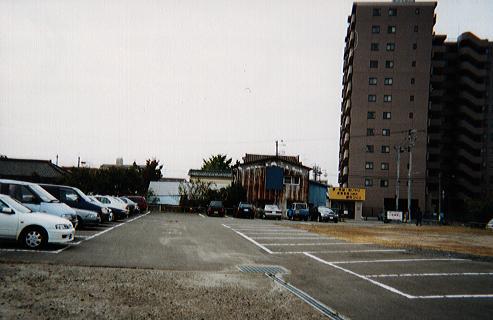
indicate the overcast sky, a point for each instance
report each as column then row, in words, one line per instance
column 181, row 80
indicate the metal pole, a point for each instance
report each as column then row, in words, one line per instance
column 277, row 148
column 397, row 183
column 409, row 179
column 439, row 194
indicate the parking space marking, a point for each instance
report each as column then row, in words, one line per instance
column 293, row 238
column 313, row 244
column 249, row 239
column 74, row 244
column 201, row 215
column 335, row 265
column 430, row 274
column 341, row 251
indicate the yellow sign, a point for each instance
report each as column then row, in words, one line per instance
column 348, row 194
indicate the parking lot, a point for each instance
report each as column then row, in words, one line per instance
column 335, row 277
column 83, row 234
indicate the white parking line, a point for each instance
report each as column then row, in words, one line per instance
column 340, row 251
column 73, row 244
column 294, row 238
column 201, row 215
column 430, row 274
column 397, row 260
column 313, row 244
column 392, row 289
column 250, row 239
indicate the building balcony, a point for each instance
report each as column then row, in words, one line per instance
column 476, row 56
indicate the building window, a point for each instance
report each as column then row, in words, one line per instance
column 388, row 81
column 411, row 115
column 385, row 149
column 372, row 98
column 389, row 64
column 387, row 98
column 385, row 132
column 416, row 28
column 384, row 183
column 370, row 132
column 390, row 46
column 369, row 165
column 291, row 180
column 368, row 182
column 387, row 115
column 376, row 12
column 375, row 29
column 415, row 46
column 392, row 12
column 372, row 81
column 370, row 148
column 411, row 98
column 416, row 11
column 413, row 64
column 374, row 46
column 384, row 166
column 373, row 64
column 391, row 29
column 413, row 81
column 287, row 180
column 371, row 115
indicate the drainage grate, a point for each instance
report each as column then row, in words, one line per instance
column 263, row 269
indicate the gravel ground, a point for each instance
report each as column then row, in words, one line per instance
column 39, row 291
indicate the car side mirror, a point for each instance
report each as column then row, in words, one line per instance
column 7, row 210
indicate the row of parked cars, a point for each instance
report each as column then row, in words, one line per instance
column 294, row 211
column 37, row 214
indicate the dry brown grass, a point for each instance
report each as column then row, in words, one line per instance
column 442, row 238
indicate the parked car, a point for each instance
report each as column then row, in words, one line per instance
column 119, row 208
column 216, row 208
column 133, row 208
column 489, row 225
column 245, row 210
column 76, row 199
column 272, row 211
column 324, row 214
column 37, row 199
column 87, row 217
column 110, row 215
column 298, row 210
column 141, row 201
column 33, row 230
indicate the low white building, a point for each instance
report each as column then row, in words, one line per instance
column 166, row 191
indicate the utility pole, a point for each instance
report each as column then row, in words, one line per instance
column 78, row 162
column 277, row 148
column 399, row 150
column 412, row 141
column 57, row 159
column 439, row 193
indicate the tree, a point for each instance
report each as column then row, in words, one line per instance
column 217, row 162
column 151, row 172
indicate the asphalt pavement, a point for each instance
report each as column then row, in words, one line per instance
column 358, row 281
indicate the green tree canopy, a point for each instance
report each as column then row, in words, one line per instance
column 217, row 162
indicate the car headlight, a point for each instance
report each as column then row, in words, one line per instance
column 68, row 216
column 104, row 210
column 63, row 226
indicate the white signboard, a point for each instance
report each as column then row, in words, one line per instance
column 394, row 215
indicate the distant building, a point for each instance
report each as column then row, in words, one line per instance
column 30, row 170
column 166, row 192
column 119, row 164
column 217, row 179
column 270, row 179
column 317, row 193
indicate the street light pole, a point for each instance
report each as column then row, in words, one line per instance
column 412, row 140
column 398, row 149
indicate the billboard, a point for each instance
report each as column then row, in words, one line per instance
column 274, row 178
column 348, row 194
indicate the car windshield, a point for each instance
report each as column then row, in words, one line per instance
column 43, row 194
column 246, row 205
column 300, row 206
column 15, row 205
column 216, row 203
column 271, row 207
column 83, row 195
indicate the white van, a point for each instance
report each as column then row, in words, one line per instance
column 37, row 199
column 32, row 229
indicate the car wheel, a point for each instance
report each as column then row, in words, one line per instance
column 34, row 238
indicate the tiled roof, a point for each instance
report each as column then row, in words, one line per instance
column 211, row 173
column 29, row 167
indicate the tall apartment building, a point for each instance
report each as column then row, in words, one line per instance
column 460, row 131
column 387, row 61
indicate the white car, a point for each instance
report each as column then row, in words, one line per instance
column 272, row 211
column 32, row 229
